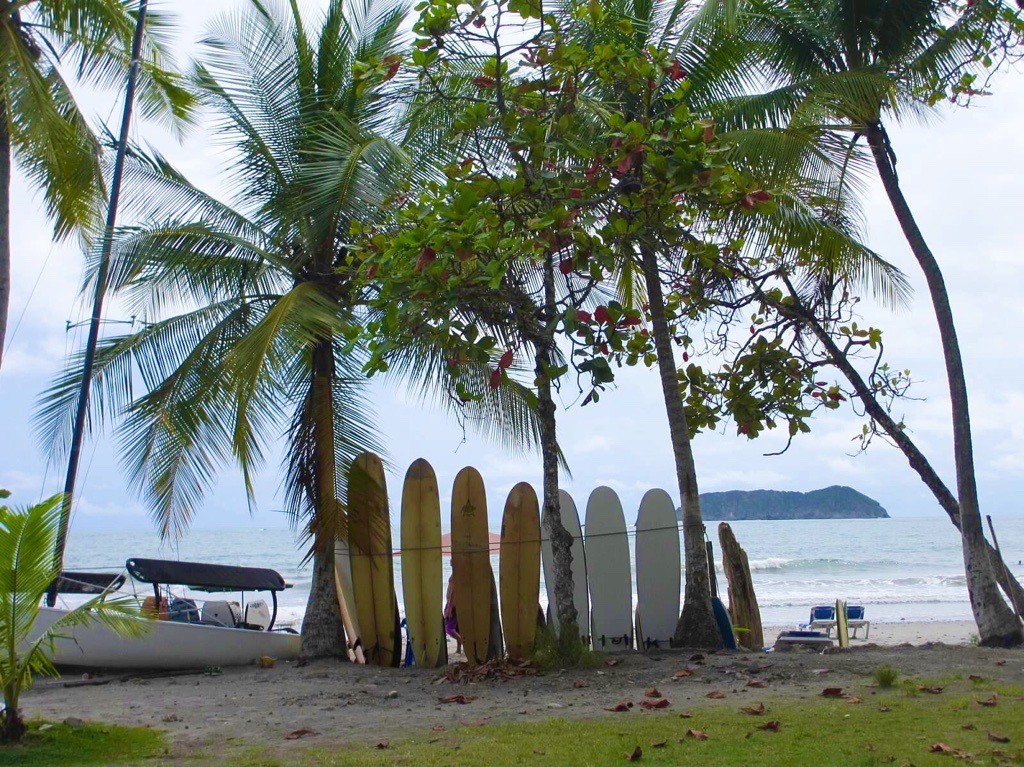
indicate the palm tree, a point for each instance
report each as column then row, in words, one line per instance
column 42, row 130
column 842, row 69
column 269, row 330
column 28, row 567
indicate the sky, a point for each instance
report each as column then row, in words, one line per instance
column 962, row 173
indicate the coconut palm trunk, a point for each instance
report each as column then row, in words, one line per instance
column 323, row 634
column 5, row 226
column 997, row 624
column 696, row 627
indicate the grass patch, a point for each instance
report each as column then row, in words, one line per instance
column 884, row 729
column 886, row 676
column 565, row 651
column 89, row 744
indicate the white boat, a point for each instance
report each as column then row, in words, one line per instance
column 218, row 634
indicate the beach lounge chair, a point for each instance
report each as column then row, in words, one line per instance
column 815, row 640
column 823, row 617
column 855, row 619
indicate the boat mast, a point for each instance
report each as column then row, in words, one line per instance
column 75, row 454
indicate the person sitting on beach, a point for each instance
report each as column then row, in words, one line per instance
column 451, row 619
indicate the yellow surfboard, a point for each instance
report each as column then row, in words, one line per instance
column 519, row 569
column 347, row 599
column 842, row 624
column 471, row 564
column 422, row 579
column 373, row 579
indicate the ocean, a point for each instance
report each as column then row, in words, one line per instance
column 899, row 569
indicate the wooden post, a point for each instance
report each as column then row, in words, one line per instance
column 711, row 568
column 742, row 601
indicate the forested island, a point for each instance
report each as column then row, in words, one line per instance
column 835, row 502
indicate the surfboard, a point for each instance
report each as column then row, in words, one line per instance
column 842, row 624
column 519, row 569
column 580, row 596
column 422, row 579
column 610, row 584
column 471, row 563
column 373, row 578
column 724, row 623
column 347, row 600
column 657, row 570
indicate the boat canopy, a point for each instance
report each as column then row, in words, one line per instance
column 205, row 577
column 79, row 582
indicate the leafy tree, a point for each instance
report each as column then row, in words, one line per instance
column 842, row 70
column 42, row 130
column 27, row 568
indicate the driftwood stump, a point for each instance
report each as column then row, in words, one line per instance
column 742, row 602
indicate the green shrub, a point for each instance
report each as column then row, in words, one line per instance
column 886, row 676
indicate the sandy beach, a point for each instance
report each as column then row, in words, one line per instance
column 344, row 703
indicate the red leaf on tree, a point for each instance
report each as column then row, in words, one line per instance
column 506, row 360
column 495, row 381
column 602, row 316
column 565, row 266
column 483, row 81
column 709, row 132
column 575, row 193
column 583, row 317
column 676, row 71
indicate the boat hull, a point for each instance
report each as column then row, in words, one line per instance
column 169, row 645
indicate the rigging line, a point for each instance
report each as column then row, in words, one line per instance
column 31, row 294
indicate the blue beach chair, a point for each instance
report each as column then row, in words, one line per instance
column 822, row 617
column 856, row 620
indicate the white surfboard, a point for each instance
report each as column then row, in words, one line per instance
column 580, row 594
column 611, row 586
column 657, row 570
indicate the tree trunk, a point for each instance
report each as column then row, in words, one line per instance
column 12, row 726
column 743, row 607
column 997, row 625
column 561, row 540
column 696, row 627
column 323, row 634
column 5, row 227
column 917, row 460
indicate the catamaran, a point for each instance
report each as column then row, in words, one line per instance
column 186, row 634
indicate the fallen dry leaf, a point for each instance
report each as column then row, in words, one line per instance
column 931, row 690
column 968, row 727
column 698, row 658
column 975, row 677
column 652, row 692
column 438, row 728
column 715, row 695
column 300, row 733
column 579, row 684
column 697, row 734
column 659, row 744
column 757, row 710
column 1000, row 662
column 457, row 698
column 884, row 709
column 832, row 692
column 772, row 726
column 686, row 715
column 265, row 661
column 634, row 755
column 611, row 662
column 682, row 672
column 382, row 744
column 941, row 748
column 649, row 704
column 475, row 723
column 538, row 752
column 757, row 683
column 997, row 738
column 853, row 699
column 626, row 705
column 990, row 701
column 821, row 671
